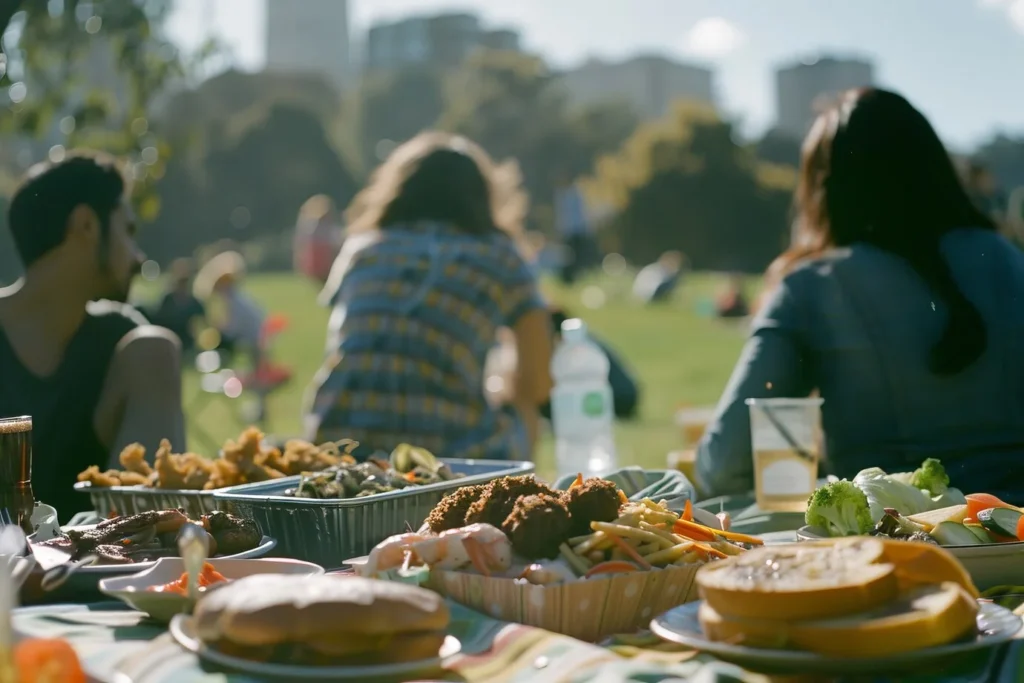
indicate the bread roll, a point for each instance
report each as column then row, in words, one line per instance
column 926, row 617
column 322, row 620
column 800, row 581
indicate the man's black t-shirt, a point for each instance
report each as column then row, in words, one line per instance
column 62, row 405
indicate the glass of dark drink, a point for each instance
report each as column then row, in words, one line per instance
column 16, row 470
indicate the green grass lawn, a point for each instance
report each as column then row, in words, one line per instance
column 680, row 357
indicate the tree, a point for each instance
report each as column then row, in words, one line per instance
column 683, row 183
column 246, row 180
column 1004, row 156
column 514, row 107
column 395, row 106
column 56, row 49
column 777, row 147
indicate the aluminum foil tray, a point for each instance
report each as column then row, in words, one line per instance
column 131, row 500
column 330, row 531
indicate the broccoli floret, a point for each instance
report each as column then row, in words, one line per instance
column 931, row 476
column 839, row 508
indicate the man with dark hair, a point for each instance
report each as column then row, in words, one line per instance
column 90, row 371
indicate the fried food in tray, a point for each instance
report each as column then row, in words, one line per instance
column 407, row 466
column 151, row 535
column 245, row 461
column 540, row 530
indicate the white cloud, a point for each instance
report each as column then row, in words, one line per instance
column 1014, row 10
column 714, row 37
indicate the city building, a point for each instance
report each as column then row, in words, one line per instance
column 311, row 36
column 443, row 41
column 649, row 83
column 801, row 88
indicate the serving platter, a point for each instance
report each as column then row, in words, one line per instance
column 680, row 625
column 182, row 629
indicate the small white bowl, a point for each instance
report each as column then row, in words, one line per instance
column 161, row 606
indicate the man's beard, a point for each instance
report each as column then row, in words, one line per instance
column 119, row 291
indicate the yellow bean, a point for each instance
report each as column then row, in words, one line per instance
column 630, row 532
column 669, row 555
column 648, row 549
column 590, row 544
column 655, row 517
column 667, row 535
column 727, row 547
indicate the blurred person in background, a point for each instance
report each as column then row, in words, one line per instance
column 985, row 192
column 572, row 222
column 898, row 302
column 430, row 271
column 90, row 370
column 318, row 236
column 179, row 309
column 732, row 301
column 625, row 387
column 240, row 324
column 656, row 282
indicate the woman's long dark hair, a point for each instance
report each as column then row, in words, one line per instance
column 443, row 178
column 874, row 171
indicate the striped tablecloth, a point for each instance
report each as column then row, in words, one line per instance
column 120, row 646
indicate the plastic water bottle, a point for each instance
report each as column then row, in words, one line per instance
column 582, row 409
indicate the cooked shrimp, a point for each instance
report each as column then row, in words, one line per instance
column 483, row 546
column 390, row 553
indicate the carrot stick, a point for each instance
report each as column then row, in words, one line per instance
column 578, row 481
column 622, row 497
column 630, row 551
column 739, row 538
column 687, row 511
column 710, row 551
column 697, row 532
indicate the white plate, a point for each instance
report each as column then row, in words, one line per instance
column 989, row 564
column 996, row 625
column 182, row 630
column 134, row 589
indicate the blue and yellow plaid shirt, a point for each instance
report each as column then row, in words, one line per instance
column 415, row 313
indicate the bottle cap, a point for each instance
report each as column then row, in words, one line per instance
column 574, row 329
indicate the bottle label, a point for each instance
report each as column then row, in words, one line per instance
column 593, row 404
column 581, row 412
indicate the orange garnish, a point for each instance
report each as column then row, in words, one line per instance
column 687, row 511
column 50, row 660
column 631, row 551
column 692, row 530
column 578, row 481
column 709, row 550
column 622, row 497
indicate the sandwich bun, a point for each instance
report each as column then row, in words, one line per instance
column 801, row 581
column 928, row 616
column 322, row 620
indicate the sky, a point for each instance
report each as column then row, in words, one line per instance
column 959, row 61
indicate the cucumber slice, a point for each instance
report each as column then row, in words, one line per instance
column 1001, row 521
column 951, row 533
column 980, row 532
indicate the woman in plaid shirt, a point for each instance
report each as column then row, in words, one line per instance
column 431, row 270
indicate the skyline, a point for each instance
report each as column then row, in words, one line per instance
column 954, row 60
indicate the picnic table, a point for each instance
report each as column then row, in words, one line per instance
column 120, row 645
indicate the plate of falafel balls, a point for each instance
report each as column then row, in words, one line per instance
column 520, row 528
